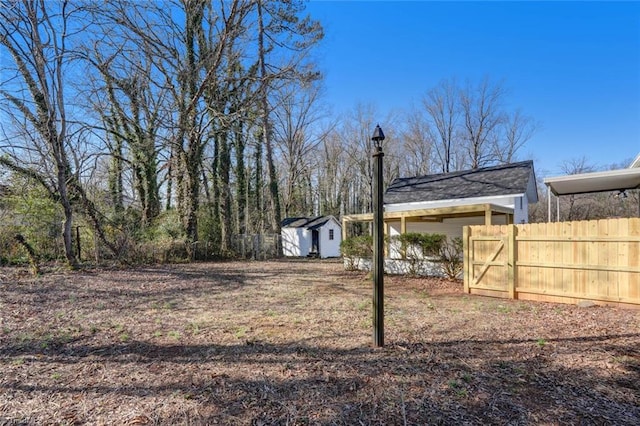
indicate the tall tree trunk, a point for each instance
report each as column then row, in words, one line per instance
column 258, row 199
column 215, row 211
column 224, row 166
column 40, row 66
column 192, row 186
column 274, row 196
column 192, row 154
column 170, row 178
column 115, row 178
column 67, row 226
column 241, row 179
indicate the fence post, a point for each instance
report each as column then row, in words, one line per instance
column 255, row 255
column 96, row 249
column 78, row 244
column 512, row 251
column 466, row 258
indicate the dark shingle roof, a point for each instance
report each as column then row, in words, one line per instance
column 305, row 222
column 294, row 222
column 507, row 179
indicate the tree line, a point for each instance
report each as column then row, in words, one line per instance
column 203, row 119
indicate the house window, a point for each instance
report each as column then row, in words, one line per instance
column 330, row 234
column 520, row 203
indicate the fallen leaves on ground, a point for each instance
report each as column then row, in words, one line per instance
column 289, row 342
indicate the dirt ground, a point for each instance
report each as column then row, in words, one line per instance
column 290, row 343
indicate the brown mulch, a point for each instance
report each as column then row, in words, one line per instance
column 289, row 342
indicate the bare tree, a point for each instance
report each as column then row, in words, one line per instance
column 297, row 134
column 36, row 35
column 171, row 80
column 578, row 207
column 190, row 59
column 279, row 26
column 333, row 175
column 470, row 127
column 482, row 117
column 132, row 114
column 516, row 130
column 418, row 145
column 356, row 136
column 443, row 112
column 274, row 194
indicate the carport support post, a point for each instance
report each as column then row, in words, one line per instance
column 378, row 242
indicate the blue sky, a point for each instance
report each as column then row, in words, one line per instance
column 573, row 66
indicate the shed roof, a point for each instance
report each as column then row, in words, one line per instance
column 306, row 222
column 506, row 179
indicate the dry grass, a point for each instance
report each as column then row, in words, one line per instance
column 289, row 342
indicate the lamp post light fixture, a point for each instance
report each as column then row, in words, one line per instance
column 378, row 239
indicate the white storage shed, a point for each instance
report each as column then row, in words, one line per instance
column 313, row 237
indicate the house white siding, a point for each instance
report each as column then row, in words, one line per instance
column 296, row 242
column 330, row 247
column 521, row 210
column 451, row 228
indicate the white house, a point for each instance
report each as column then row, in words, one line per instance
column 504, row 192
column 318, row 237
column 444, row 203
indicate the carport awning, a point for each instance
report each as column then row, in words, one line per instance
column 613, row 180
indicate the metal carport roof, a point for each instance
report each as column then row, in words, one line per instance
column 612, row 180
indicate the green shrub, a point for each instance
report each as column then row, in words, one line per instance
column 360, row 246
column 418, row 245
column 353, row 248
column 415, row 248
column 32, row 214
column 10, row 252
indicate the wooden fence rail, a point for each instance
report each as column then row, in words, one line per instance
column 557, row 262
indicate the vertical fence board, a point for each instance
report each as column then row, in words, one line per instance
column 568, row 277
column 612, row 283
column 540, row 257
column 546, row 254
column 466, row 253
column 622, row 259
column 533, row 257
column 551, row 255
column 511, row 261
column 603, row 258
column 579, row 256
column 524, row 254
column 592, row 258
column 634, row 255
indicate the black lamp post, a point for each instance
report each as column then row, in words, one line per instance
column 378, row 241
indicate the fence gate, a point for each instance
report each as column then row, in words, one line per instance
column 489, row 260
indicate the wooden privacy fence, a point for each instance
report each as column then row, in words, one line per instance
column 563, row 262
